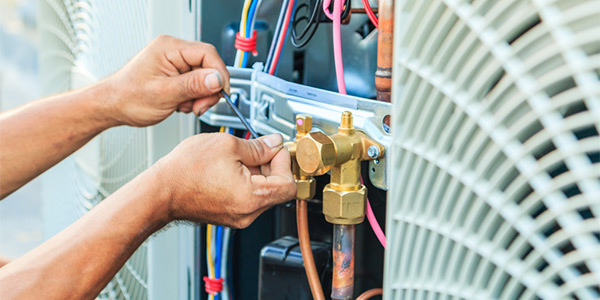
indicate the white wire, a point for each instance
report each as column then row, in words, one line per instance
column 238, row 54
column 224, row 262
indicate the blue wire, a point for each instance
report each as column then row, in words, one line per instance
column 219, row 249
column 248, row 32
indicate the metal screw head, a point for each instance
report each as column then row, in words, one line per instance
column 373, row 151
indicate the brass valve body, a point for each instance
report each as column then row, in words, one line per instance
column 305, row 183
column 344, row 199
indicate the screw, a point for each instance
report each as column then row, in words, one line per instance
column 373, row 151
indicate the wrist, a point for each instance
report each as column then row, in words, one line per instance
column 159, row 194
column 103, row 98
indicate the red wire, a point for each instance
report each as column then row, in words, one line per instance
column 286, row 22
column 247, row 135
column 370, row 13
column 213, row 285
column 246, row 44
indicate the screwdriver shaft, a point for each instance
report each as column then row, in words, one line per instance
column 239, row 115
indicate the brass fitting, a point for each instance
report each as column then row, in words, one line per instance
column 306, row 184
column 344, row 199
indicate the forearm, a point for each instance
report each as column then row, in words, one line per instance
column 78, row 262
column 36, row 136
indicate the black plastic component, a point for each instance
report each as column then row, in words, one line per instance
column 282, row 273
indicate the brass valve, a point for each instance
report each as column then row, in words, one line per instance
column 344, row 198
column 306, row 184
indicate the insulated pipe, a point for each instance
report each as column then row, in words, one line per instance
column 307, row 255
column 342, row 285
column 385, row 50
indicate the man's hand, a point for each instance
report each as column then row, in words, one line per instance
column 221, row 179
column 168, row 75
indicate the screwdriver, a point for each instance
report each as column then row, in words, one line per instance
column 239, row 115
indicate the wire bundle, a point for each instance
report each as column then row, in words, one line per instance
column 246, row 38
column 279, row 36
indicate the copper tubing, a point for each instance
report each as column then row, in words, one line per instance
column 307, row 255
column 369, row 294
column 385, row 50
column 342, row 285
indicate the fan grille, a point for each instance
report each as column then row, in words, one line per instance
column 496, row 154
column 84, row 41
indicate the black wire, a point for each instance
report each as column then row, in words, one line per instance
column 300, row 40
column 312, row 24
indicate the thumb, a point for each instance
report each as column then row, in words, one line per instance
column 258, row 152
column 196, row 84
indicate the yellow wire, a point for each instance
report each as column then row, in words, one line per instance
column 222, row 129
column 211, row 267
column 243, row 26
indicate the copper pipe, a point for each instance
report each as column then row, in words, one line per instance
column 369, row 294
column 361, row 10
column 385, row 50
column 307, row 255
column 342, row 285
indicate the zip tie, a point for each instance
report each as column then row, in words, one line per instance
column 213, row 286
column 246, row 44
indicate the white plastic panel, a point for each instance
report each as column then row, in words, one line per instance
column 495, row 189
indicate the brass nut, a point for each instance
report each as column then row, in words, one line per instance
column 306, row 189
column 315, row 151
column 344, row 207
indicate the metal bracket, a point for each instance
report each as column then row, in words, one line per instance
column 272, row 104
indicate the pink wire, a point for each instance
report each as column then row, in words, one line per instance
column 337, row 45
column 375, row 225
column 326, row 4
column 339, row 71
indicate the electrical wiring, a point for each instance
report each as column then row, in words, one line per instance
column 375, row 225
column 209, row 261
column 282, row 37
column 224, row 264
column 243, row 22
column 337, row 45
column 249, row 32
column 278, row 27
column 218, row 256
column 300, row 40
column 370, row 13
column 345, row 12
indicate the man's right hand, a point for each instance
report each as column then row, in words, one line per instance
column 220, row 179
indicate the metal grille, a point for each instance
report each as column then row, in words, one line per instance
column 496, row 154
column 82, row 42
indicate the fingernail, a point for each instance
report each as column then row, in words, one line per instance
column 213, row 81
column 273, row 140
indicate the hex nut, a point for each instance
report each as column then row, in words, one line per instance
column 306, row 189
column 314, row 152
column 344, row 207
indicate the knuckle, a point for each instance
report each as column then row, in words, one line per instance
column 195, row 85
column 210, row 48
column 227, row 141
column 163, row 38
